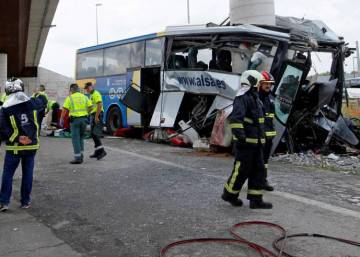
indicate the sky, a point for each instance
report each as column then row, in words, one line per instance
column 118, row 19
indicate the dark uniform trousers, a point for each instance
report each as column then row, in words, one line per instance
column 267, row 150
column 249, row 164
column 96, row 129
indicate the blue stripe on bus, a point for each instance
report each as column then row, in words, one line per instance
column 119, row 42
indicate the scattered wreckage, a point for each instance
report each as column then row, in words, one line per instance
column 199, row 78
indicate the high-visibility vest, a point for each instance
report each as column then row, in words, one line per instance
column 50, row 103
column 95, row 98
column 77, row 104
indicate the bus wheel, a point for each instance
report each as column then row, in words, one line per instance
column 113, row 120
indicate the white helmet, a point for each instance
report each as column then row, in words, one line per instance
column 251, row 78
column 13, row 85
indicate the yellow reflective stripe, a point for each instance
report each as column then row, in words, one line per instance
column 230, row 186
column 255, row 192
column 266, row 165
column 15, row 128
column 236, row 125
column 255, row 140
column 37, row 126
column 251, row 140
column 248, row 120
column 270, row 133
column 261, row 120
column 234, row 138
column 21, row 147
column 230, row 190
column 270, row 115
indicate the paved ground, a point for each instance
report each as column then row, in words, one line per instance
column 144, row 196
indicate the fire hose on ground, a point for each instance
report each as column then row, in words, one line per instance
column 278, row 244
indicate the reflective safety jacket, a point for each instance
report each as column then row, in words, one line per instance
column 269, row 110
column 3, row 99
column 77, row 104
column 96, row 98
column 20, row 119
column 247, row 119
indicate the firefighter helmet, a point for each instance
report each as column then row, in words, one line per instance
column 13, row 85
column 267, row 77
column 251, row 78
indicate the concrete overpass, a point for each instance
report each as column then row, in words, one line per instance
column 24, row 28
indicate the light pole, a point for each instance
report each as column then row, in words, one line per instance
column 97, row 28
column 188, row 11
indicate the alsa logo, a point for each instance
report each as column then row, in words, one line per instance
column 201, row 82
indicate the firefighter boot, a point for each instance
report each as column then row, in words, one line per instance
column 95, row 154
column 232, row 199
column 260, row 204
column 101, row 154
column 268, row 187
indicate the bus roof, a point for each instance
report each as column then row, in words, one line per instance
column 195, row 30
column 119, row 42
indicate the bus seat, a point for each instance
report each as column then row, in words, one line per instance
column 177, row 62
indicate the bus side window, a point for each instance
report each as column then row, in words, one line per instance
column 117, row 59
column 153, row 52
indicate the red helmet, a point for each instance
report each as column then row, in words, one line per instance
column 267, row 77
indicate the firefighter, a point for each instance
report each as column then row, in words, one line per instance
column 247, row 124
column 78, row 106
column 96, row 118
column 19, row 127
column 269, row 110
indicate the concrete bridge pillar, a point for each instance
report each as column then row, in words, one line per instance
column 3, row 71
column 252, row 12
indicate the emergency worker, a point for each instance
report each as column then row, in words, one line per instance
column 247, row 124
column 19, row 128
column 269, row 110
column 41, row 92
column 54, row 107
column 78, row 106
column 96, row 118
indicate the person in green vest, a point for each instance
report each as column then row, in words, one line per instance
column 41, row 113
column 78, row 106
column 54, row 107
column 96, row 118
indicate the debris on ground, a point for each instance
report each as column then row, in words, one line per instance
column 347, row 163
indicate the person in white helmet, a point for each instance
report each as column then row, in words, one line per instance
column 247, row 125
column 19, row 128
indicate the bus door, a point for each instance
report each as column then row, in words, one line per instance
column 143, row 90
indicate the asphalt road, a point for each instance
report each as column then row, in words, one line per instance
column 143, row 196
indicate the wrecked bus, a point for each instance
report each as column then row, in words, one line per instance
column 180, row 84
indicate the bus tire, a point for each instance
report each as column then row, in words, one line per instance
column 113, row 120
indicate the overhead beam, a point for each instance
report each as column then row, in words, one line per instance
column 41, row 15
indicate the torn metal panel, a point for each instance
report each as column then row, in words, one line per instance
column 340, row 127
column 304, row 29
column 166, row 109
